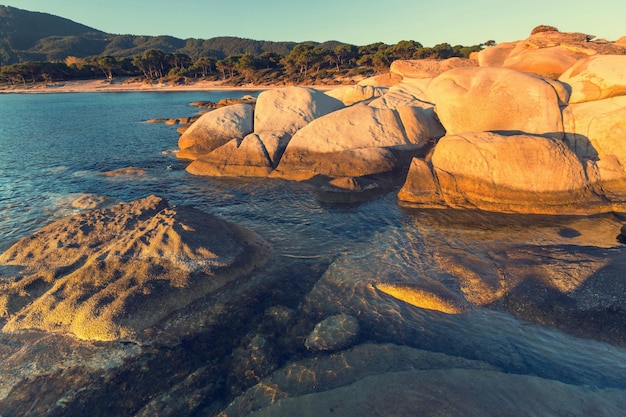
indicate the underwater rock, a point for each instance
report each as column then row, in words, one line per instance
column 333, row 333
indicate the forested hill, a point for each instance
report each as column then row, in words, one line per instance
column 33, row 36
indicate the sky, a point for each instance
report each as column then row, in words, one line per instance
column 359, row 22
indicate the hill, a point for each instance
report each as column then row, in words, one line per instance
column 33, row 36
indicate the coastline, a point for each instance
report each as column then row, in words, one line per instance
column 125, row 85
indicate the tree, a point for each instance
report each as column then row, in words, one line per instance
column 302, row 57
column 205, row 65
column 106, row 64
column 404, row 49
column 246, row 65
column 442, row 51
column 178, row 60
column 344, row 54
column 269, row 59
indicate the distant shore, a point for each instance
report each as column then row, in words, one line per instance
column 127, row 85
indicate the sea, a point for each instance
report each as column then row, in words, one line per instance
column 55, row 148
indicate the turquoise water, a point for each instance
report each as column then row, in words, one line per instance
column 54, row 147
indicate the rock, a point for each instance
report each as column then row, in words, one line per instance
column 255, row 156
column 444, row 393
column 621, row 42
column 401, row 95
column 304, row 165
column 237, row 158
column 433, row 296
column 339, row 369
column 333, row 333
column 91, row 201
column 622, row 235
column 548, row 53
column 125, row 172
column 350, row 94
column 349, row 190
column 381, row 80
column 326, row 145
column 218, row 127
column 552, row 61
column 593, row 130
column 291, row 108
column 495, row 99
column 519, row 173
column 426, row 68
column 408, row 95
column 494, row 56
column 596, row 78
column 420, row 186
column 109, row 274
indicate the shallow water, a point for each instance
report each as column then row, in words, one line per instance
column 55, row 147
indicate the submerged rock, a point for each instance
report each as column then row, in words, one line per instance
column 333, row 333
column 349, row 190
column 108, row 274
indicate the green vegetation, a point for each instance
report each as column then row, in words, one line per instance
column 37, row 47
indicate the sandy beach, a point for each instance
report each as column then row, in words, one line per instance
column 127, row 85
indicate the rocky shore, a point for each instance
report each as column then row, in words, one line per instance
column 528, row 127
column 146, row 308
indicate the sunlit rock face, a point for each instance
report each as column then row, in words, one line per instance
column 255, row 156
column 108, row 274
column 595, row 130
column 291, row 108
column 426, row 69
column 350, row 94
column 519, row 173
column 547, row 53
column 494, row 99
column 596, row 78
column 215, row 129
column 354, row 141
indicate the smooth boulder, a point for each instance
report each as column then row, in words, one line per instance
column 291, row 108
column 596, row 78
column 518, row 173
column 350, row 94
column 255, row 156
column 495, row 99
column 216, row 128
column 354, row 141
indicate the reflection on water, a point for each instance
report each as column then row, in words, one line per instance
column 528, row 292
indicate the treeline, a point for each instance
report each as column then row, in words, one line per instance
column 305, row 63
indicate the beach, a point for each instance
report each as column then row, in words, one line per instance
column 119, row 85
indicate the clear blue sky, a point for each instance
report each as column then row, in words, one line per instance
column 359, row 22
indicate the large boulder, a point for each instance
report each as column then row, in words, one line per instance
column 426, row 68
column 495, row 99
column 350, row 94
column 548, row 53
column 596, row 78
column 494, row 56
column 216, row 128
column 354, row 141
column 519, row 173
column 291, row 108
column 256, row 155
column 409, row 95
column 595, row 131
column 109, row 274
